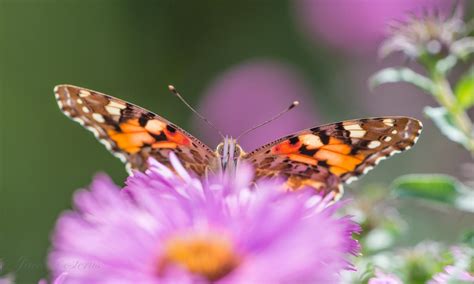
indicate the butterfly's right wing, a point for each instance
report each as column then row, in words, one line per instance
column 326, row 156
column 132, row 133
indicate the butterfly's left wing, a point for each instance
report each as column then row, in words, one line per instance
column 326, row 156
column 130, row 132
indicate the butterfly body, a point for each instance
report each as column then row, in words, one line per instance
column 228, row 154
column 322, row 157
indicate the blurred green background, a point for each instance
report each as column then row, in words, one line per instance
column 133, row 50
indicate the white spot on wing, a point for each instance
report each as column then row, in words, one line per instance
column 106, row 144
column 112, row 110
column 93, row 130
column 374, row 144
column 121, row 157
column 366, row 169
column 394, row 131
column 352, row 127
column 98, row 117
column 79, row 101
column 78, row 120
column 85, row 109
column 387, row 139
column 128, row 167
column 351, row 179
column 84, row 93
column 116, row 105
column 388, row 122
column 357, row 133
column 394, row 152
column 311, row 140
column 381, row 158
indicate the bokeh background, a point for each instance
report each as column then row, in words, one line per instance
column 238, row 62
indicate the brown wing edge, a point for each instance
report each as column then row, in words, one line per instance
column 411, row 131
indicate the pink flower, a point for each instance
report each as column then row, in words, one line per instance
column 170, row 227
column 358, row 26
column 433, row 35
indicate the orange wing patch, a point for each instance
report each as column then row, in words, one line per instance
column 311, row 150
column 131, row 136
column 337, row 159
column 176, row 137
column 131, row 142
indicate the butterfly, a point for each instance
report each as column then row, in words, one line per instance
column 323, row 157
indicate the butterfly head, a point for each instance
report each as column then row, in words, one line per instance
column 229, row 152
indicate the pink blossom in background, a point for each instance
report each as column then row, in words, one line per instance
column 252, row 92
column 357, row 26
column 452, row 274
column 460, row 271
column 7, row 279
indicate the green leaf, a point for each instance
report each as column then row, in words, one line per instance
column 435, row 187
column 395, row 75
column 444, row 122
column 465, row 89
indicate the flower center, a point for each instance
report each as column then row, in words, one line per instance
column 210, row 256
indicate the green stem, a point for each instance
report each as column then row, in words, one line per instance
column 445, row 97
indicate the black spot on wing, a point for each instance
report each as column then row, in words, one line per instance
column 315, row 129
column 339, row 126
column 363, row 144
column 143, row 120
column 305, row 151
column 159, row 137
column 170, row 128
column 354, row 150
column 324, row 137
column 323, row 164
column 111, row 122
column 294, row 140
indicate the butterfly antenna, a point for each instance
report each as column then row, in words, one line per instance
column 293, row 105
column 175, row 92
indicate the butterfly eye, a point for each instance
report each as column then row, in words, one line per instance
column 237, row 152
column 220, row 150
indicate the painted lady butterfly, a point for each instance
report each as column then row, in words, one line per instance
column 322, row 157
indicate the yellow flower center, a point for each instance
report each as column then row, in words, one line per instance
column 210, row 256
